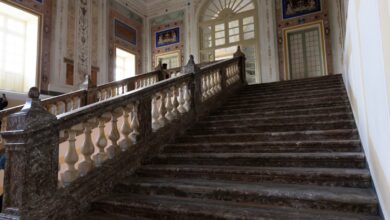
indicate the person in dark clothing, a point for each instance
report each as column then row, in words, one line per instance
column 2, row 167
column 3, row 104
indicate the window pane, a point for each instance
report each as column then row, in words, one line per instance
column 248, row 20
column 234, row 38
column 220, row 27
column 16, row 26
column 219, row 34
column 233, row 24
column 220, row 41
column 18, row 48
column 234, row 31
column 249, row 27
column 125, row 64
column 249, row 35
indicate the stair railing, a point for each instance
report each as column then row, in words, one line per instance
column 89, row 94
column 105, row 141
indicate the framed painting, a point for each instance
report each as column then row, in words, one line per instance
column 295, row 8
column 167, row 37
column 125, row 32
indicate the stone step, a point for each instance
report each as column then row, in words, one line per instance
column 251, row 119
column 286, row 102
column 307, row 81
column 281, row 107
column 292, row 84
column 324, row 160
column 292, row 112
column 287, row 93
column 166, row 207
column 284, row 195
column 266, row 147
column 283, row 90
column 339, row 134
column 108, row 215
column 255, row 127
column 288, row 96
column 359, row 178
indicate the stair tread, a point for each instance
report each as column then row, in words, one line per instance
column 245, row 169
column 254, row 118
column 292, row 191
column 277, row 133
column 273, row 112
column 274, row 143
column 256, row 170
column 221, row 209
column 265, row 155
column 100, row 215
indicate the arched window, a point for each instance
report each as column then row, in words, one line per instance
column 223, row 25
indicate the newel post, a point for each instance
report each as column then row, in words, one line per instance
column 91, row 90
column 240, row 54
column 196, row 85
column 31, row 144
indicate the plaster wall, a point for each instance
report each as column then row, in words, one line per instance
column 367, row 78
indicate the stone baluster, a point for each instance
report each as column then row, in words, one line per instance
column 88, row 148
column 207, row 91
column 125, row 129
column 181, row 100
column 162, row 110
column 212, row 84
column 71, row 157
column 218, row 77
column 53, row 109
column 76, row 103
column 204, row 88
column 101, row 142
column 175, row 103
column 187, row 98
column 114, row 136
column 60, row 107
column 155, row 114
column 134, row 125
column 168, row 105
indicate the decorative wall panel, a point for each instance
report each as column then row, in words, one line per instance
column 167, row 33
column 300, row 15
column 125, row 31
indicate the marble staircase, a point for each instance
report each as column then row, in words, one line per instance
column 286, row 150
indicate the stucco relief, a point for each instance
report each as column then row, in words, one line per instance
column 95, row 31
column 71, row 30
column 82, row 66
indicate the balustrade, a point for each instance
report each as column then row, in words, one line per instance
column 122, row 122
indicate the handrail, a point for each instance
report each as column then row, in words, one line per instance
column 126, row 129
